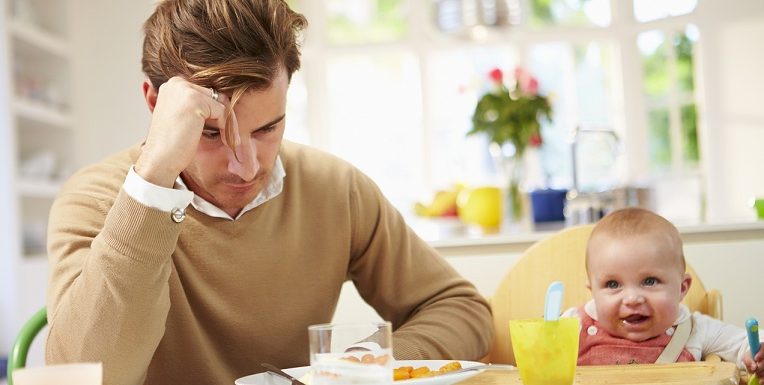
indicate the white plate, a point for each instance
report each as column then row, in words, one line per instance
column 442, row 379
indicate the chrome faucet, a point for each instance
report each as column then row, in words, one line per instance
column 587, row 206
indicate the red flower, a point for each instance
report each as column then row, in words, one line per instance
column 496, row 76
column 535, row 140
column 532, row 86
column 512, row 115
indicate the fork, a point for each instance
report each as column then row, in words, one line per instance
column 272, row 369
column 488, row 366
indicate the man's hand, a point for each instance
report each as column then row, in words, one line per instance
column 182, row 109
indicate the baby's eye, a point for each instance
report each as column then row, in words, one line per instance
column 651, row 281
column 611, row 284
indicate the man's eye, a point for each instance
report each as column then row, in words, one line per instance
column 264, row 130
column 611, row 284
column 210, row 134
column 651, row 281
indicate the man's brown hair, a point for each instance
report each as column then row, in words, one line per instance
column 232, row 46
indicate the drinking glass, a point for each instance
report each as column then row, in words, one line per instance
column 63, row 374
column 351, row 353
column 545, row 351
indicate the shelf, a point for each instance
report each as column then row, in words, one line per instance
column 36, row 260
column 31, row 188
column 41, row 113
column 41, row 39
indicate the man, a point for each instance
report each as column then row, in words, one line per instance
column 211, row 247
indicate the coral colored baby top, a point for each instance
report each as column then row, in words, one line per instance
column 598, row 347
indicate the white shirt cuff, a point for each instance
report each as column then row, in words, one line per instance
column 158, row 197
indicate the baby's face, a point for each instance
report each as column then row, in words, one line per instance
column 637, row 284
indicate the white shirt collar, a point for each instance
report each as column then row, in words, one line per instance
column 272, row 189
column 684, row 313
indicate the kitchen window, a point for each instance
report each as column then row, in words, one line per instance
column 390, row 85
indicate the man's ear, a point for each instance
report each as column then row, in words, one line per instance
column 150, row 94
column 685, row 286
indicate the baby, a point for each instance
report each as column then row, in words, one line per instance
column 637, row 277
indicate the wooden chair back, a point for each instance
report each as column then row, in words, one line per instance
column 561, row 257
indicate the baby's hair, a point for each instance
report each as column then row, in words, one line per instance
column 632, row 221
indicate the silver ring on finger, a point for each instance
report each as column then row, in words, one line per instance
column 215, row 94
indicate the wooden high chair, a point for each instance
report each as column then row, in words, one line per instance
column 561, row 257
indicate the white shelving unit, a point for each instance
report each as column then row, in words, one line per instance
column 40, row 65
column 38, row 140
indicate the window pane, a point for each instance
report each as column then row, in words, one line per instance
column 375, row 119
column 659, row 141
column 554, row 66
column 652, row 46
column 593, row 80
column 648, row 10
column 297, row 110
column 669, row 83
column 456, row 79
column 597, row 153
column 366, row 21
column 571, row 12
column 691, row 151
column 578, row 79
column 683, row 45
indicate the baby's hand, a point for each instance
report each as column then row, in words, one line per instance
column 755, row 364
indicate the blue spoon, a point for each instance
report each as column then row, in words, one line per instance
column 553, row 301
column 752, row 327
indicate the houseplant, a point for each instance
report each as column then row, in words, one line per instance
column 512, row 116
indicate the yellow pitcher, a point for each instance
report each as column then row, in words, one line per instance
column 481, row 206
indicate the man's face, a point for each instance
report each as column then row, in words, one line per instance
column 637, row 283
column 217, row 175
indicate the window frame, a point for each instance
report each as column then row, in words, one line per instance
column 424, row 40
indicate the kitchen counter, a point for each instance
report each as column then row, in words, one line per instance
column 452, row 238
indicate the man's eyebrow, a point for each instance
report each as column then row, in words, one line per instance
column 271, row 123
column 266, row 125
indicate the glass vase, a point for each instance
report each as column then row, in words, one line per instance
column 511, row 168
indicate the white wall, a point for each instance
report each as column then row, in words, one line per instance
column 741, row 112
column 108, row 103
column 732, row 114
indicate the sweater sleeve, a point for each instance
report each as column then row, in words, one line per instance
column 436, row 313
column 108, row 293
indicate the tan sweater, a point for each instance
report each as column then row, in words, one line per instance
column 206, row 300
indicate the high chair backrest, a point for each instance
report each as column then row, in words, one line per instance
column 561, row 257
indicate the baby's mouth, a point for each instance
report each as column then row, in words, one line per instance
column 635, row 319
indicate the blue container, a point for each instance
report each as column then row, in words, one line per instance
column 548, row 205
column 3, row 367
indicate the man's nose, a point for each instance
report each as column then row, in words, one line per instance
column 242, row 161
